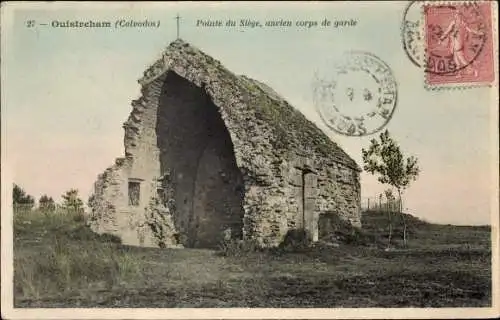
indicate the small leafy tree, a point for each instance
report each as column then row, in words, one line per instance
column 385, row 158
column 390, row 198
column 72, row 202
column 21, row 199
column 46, row 204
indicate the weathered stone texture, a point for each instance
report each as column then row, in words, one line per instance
column 225, row 152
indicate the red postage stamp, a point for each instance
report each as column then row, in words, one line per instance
column 459, row 44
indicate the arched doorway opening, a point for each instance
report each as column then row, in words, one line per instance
column 197, row 152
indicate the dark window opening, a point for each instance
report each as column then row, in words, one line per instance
column 134, row 192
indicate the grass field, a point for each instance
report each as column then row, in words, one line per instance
column 59, row 262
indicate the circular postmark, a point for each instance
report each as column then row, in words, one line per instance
column 358, row 96
column 443, row 38
column 412, row 35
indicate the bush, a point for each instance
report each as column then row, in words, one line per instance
column 108, row 237
column 296, row 240
column 357, row 237
column 237, row 248
column 84, row 233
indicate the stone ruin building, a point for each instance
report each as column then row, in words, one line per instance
column 211, row 155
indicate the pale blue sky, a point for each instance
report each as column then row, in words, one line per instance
column 66, row 93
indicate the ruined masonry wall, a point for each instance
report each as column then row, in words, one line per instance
column 141, row 162
column 272, row 176
column 272, row 210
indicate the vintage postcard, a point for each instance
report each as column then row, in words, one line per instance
column 285, row 160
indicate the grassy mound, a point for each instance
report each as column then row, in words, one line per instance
column 56, row 252
column 421, row 233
